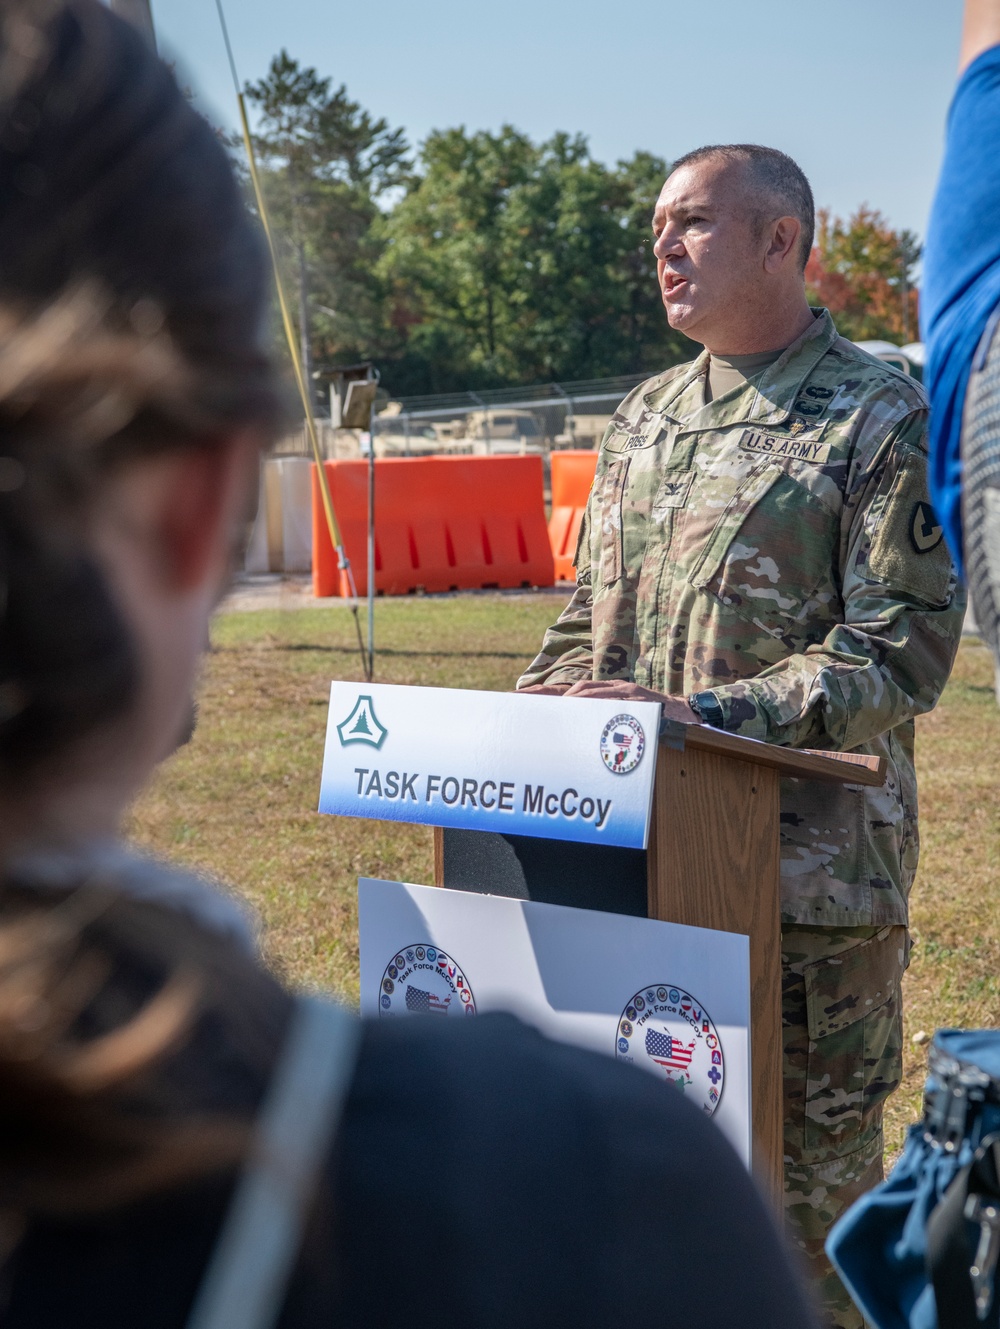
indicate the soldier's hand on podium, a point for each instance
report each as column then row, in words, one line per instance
column 674, row 708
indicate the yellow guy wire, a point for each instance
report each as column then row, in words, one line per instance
column 324, row 484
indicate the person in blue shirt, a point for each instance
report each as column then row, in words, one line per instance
column 960, row 310
column 882, row 1246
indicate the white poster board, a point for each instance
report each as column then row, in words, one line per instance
column 562, row 768
column 674, row 1000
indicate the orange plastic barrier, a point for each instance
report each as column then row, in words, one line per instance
column 441, row 524
column 572, row 477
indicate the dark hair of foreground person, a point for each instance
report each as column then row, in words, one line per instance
column 479, row 1173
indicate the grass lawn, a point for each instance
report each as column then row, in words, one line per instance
column 240, row 799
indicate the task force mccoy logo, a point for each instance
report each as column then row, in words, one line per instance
column 664, row 1029
column 424, row 980
column 362, row 725
column 623, row 742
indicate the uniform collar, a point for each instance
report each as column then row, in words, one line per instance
column 768, row 402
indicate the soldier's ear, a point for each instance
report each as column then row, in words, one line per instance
column 783, row 246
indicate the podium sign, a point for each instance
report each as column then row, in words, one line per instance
column 560, row 768
column 670, row 999
column 503, row 777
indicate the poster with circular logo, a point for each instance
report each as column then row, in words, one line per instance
column 423, row 980
column 623, row 741
column 667, row 1030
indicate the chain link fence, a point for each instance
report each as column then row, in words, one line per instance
column 517, row 421
column 505, row 420
column 511, row 421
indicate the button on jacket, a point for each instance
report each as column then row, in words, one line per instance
column 777, row 548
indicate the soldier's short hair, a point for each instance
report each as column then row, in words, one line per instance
column 776, row 180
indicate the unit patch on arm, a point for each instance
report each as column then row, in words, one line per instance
column 925, row 531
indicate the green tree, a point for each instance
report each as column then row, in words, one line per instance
column 444, row 257
column 862, row 271
column 654, row 345
column 512, row 262
column 325, row 165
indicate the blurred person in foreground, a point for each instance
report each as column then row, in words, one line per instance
column 960, row 314
column 157, row 1087
column 759, row 554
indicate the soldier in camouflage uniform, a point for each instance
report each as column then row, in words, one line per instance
column 772, row 556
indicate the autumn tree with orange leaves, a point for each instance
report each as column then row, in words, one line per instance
column 862, row 271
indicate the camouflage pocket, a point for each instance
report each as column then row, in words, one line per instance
column 844, row 987
column 854, row 1025
column 772, row 548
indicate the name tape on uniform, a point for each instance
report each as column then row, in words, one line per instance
column 561, row 768
column 785, row 449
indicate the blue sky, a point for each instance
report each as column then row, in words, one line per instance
column 855, row 90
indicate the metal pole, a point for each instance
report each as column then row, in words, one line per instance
column 568, row 416
column 486, row 422
column 371, row 547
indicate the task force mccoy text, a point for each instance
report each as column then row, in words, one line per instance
column 498, row 796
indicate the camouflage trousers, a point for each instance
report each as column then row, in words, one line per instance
column 842, row 1035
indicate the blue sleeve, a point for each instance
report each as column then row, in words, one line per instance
column 961, row 281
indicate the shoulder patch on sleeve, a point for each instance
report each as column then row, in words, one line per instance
column 926, row 532
column 908, row 552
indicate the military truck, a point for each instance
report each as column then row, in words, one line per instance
column 501, row 429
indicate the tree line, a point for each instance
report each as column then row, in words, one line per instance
column 484, row 259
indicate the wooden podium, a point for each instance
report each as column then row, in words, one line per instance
column 712, row 862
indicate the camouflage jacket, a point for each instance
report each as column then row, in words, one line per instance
column 777, row 548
